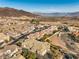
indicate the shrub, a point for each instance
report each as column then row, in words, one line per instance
column 27, row 54
column 55, row 31
column 34, row 21
column 69, row 56
column 19, row 43
column 44, row 38
column 56, row 53
column 63, row 28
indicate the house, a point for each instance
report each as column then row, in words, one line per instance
column 8, row 51
column 4, row 37
column 76, row 33
column 35, row 46
column 73, row 29
column 56, row 40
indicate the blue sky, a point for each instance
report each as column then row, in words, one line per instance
column 42, row 5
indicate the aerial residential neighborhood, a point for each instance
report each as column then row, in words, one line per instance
column 39, row 29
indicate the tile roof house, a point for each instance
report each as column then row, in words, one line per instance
column 56, row 40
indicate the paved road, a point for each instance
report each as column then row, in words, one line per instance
column 25, row 34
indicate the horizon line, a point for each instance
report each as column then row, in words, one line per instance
column 41, row 11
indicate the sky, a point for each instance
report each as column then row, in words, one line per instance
column 45, row 6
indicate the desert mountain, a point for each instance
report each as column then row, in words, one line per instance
column 15, row 12
column 59, row 14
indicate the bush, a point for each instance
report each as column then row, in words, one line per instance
column 69, row 56
column 56, row 53
column 34, row 21
column 72, row 37
column 63, row 28
column 19, row 43
column 44, row 38
column 55, row 31
column 27, row 54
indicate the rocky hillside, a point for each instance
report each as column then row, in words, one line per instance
column 14, row 12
